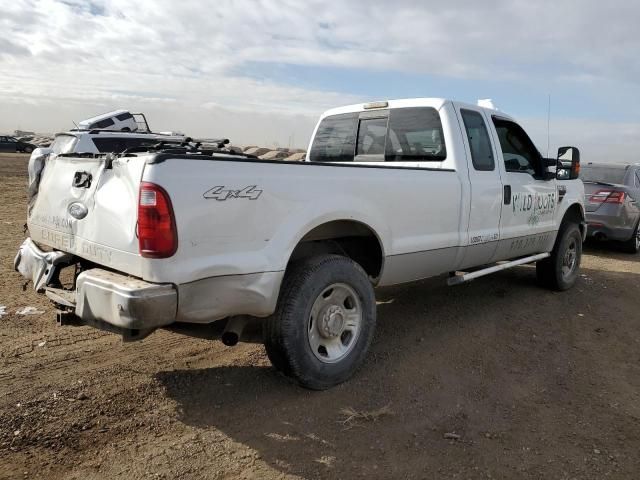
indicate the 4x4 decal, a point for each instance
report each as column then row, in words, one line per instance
column 222, row 193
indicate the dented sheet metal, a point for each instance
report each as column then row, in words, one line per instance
column 87, row 206
column 38, row 266
column 36, row 165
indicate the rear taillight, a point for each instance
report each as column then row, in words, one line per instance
column 607, row 196
column 157, row 236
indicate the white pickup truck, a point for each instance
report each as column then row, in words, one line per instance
column 392, row 192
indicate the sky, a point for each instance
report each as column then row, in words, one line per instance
column 262, row 71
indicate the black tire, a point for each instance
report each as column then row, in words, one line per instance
column 633, row 244
column 288, row 332
column 27, row 149
column 555, row 272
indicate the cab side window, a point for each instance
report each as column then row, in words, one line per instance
column 119, row 145
column 479, row 143
column 124, row 116
column 106, row 123
column 108, row 145
column 415, row 135
column 519, row 152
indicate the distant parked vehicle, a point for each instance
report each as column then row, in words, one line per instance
column 101, row 141
column 612, row 203
column 12, row 144
column 118, row 120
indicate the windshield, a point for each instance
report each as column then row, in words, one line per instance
column 63, row 144
column 603, row 174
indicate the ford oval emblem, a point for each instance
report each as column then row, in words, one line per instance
column 78, row 210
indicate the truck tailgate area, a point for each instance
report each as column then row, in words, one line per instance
column 87, row 206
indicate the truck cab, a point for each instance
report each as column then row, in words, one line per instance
column 511, row 198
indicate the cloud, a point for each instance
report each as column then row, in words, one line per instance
column 79, row 54
column 9, row 48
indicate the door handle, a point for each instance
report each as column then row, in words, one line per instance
column 562, row 191
column 507, row 194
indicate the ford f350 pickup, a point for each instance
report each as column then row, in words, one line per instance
column 392, row 192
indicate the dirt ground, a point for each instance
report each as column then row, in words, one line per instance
column 494, row 379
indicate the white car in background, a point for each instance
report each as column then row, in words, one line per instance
column 101, row 141
column 118, row 120
column 92, row 142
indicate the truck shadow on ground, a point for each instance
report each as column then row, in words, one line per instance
column 498, row 362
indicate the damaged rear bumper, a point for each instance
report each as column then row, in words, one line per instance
column 101, row 297
column 124, row 302
column 37, row 265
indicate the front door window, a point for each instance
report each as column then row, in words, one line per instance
column 519, row 153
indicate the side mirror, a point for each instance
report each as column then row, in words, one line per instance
column 551, row 162
column 568, row 163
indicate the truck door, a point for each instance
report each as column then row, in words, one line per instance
column 529, row 201
column 485, row 185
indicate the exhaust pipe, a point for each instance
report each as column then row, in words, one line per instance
column 233, row 330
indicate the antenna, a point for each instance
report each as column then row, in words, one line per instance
column 77, row 127
column 548, row 125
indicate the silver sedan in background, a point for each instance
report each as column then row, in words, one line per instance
column 612, row 202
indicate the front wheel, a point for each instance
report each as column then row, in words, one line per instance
column 27, row 149
column 324, row 321
column 560, row 270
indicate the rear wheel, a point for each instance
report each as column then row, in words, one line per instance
column 560, row 270
column 27, row 149
column 633, row 244
column 324, row 321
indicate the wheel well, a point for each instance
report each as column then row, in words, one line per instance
column 574, row 214
column 343, row 237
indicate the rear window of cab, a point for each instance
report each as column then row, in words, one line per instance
column 397, row 135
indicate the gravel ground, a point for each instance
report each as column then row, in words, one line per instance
column 493, row 379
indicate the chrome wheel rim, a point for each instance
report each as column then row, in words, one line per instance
column 570, row 258
column 334, row 323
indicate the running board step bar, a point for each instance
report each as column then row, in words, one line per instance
column 461, row 277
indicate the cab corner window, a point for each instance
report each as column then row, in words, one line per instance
column 519, row 153
column 415, row 135
column 479, row 143
column 335, row 138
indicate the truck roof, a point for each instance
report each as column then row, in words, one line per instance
column 436, row 103
column 102, row 116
